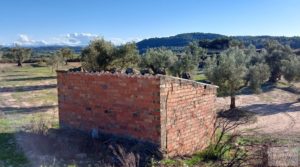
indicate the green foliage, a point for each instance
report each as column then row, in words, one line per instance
column 236, row 68
column 224, row 149
column 277, row 54
column 102, row 55
column 258, row 74
column 291, row 68
column 188, row 62
column 66, row 53
column 177, row 42
column 126, row 56
column 169, row 162
column 198, row 53
column 213, row 41
column 228, row 71
column 159, row 60
column 258, row 70
column 254, row 56
column 184, row 64
column 98, row 56
column 55, row 61
column 18, row 54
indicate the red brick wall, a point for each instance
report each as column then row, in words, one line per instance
column 174, row 113
column 187, row 115
column 118, row 104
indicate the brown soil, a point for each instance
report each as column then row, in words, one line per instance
column 277, row 111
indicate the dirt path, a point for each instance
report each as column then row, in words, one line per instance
column 277, row 112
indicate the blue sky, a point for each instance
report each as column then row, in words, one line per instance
column 78, row 21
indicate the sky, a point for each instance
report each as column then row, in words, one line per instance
column 76, row 22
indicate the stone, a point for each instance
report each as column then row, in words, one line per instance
column 146, row 71
column 186, row 75
column 131, row 71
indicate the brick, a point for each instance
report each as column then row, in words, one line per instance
column 176, row 114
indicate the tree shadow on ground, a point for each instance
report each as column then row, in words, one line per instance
column 26, row 88
column 16, row 110
column 266, row 87
column 248, row 113
column 270, row 109
column 15, row 75
column 237, row 115
column 69, row 147
column 290, row 89
column 32, row 78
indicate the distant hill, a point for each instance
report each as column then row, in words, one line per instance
column 53, row 49
column 178, row 41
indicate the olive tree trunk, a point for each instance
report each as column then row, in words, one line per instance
column 232, row 102
column 19, row 63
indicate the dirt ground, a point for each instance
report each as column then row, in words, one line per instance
column 277, row 111
column 274, row 126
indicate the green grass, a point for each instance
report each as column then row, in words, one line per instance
column 199, row 77
column 13, row 123
column 14, row 118
column 282, row 84
column 169, row 162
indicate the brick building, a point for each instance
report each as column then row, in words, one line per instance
column 176, row 114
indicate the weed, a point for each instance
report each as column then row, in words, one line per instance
column 10, row 154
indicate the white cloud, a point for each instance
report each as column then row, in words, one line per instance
column 72, row 39
column 25, row 40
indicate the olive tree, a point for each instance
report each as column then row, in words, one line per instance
column 184, row 66
column 198, row 54
column 291, row 68
column 277, row 54
column 98, row 55
column 55, row 61
column 127, row 55
column 258, row 69
column 188, row 61
column 18, row 54
column 102, row 55
column 159, row 60
column 228, row 71
column 66, row 54
column 258, row 74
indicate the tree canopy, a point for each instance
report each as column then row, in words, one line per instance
column 102, row 55
column 158, row 60
column 66, row 54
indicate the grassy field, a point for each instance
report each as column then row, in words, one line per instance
column 28, row 95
